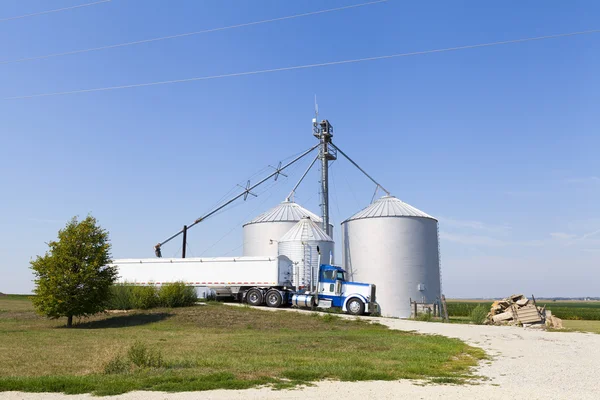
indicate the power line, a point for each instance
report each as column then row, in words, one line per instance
column 55, row 10
column 112, row 46
column 306, row 66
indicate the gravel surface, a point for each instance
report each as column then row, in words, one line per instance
column 526, row 363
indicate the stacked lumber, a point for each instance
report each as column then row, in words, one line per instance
column 519, row 310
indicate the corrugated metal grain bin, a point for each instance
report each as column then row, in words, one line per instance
column 263, row 232
column 300, row 245
column 394, row 246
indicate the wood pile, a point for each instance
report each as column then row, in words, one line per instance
column 519, row 310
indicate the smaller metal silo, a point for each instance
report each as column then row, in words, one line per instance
column 300, row 246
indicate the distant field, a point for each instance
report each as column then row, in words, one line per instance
column 14, row 297
column 213, row 347
column 566, row 310
column 583, row 326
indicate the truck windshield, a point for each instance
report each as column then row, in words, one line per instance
column 332, row 275
column 328, row 275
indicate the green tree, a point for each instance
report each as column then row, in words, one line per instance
column 73, row 278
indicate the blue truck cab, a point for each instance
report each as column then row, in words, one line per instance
column 335, row 291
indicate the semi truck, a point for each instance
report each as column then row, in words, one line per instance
column 257, row 281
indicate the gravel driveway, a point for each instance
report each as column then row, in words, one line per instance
column 527, row 363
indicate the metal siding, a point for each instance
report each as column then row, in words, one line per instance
column 396, row 254
column 257, row 238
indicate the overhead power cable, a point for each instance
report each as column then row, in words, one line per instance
column 157, row 39
column 55, row 10
column 306, row 66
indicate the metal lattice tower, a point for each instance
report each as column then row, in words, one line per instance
column 324, row 132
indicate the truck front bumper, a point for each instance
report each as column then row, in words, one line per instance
column 372, row 308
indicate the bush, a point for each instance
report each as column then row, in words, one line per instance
column 479, row 314
column 117, row 365
column 144, row 297
column 128, row 297
column 425, row 317
column 138, row 356
column 120, row 297
column 177, row 295
column 464, row 309
column 143, row 357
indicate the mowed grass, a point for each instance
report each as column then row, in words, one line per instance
column 215, row 346
column 566, row 310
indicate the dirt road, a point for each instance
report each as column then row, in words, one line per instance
column 526, row 363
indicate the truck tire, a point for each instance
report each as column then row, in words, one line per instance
column 254, row 297
column 355, row 306
column 274, row 298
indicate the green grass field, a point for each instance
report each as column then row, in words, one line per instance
column 582, row 326
column 566, row 310
column 211, row 347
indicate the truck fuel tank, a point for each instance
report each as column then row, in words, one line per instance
column 303, row 300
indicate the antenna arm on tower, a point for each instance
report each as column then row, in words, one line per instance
column 246, row 191
column 289, row 196
column 360, row 169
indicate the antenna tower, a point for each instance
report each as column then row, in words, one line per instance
column 324, row 132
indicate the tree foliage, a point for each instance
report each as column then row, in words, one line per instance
column 73, row 278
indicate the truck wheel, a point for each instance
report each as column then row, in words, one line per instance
column 254, row 297
column 274, row 298
column 355, row 306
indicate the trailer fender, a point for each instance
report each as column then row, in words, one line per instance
column 358, row 296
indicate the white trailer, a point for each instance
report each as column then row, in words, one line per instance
column 225, row 275
column 255, row 280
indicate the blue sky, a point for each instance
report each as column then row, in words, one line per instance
column 499, row 143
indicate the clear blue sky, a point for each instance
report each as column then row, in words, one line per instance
column 500, row 143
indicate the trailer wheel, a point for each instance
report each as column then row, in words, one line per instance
column 274, row 298
column 254, row 297
column 355, row 306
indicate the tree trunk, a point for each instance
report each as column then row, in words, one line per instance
column 69, row 321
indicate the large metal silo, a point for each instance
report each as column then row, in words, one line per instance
column 262, row 234
column 301, row 245
column 394, row 246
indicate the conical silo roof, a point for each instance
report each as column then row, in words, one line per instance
column 306, row 229
column 389, row 206
column 284, row 212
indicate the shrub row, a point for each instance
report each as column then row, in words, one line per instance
column 127, row 297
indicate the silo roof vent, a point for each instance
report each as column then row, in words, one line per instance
column 389, row 206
